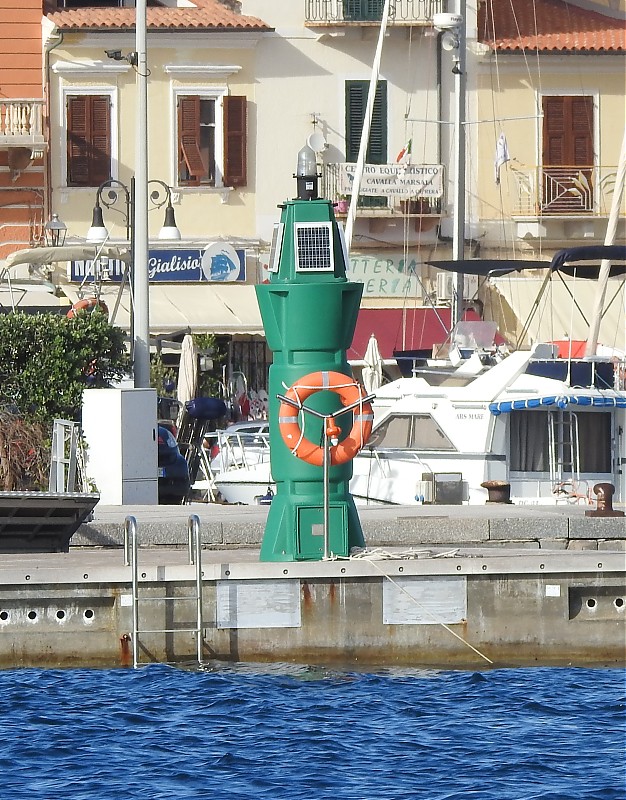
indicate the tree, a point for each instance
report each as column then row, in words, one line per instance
column 46, row 361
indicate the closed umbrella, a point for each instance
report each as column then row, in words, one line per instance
column 187, row 372
column 372, row 373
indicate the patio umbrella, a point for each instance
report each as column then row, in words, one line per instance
column 187, row 372
column 372, row 373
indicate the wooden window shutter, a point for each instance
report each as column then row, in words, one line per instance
column 356, row 102
column 568, row 131
column 189, row 155
column 100, row 167
column 88, row 140
column 235, row 141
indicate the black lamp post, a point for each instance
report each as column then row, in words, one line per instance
column 109, row 195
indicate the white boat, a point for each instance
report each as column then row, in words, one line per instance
column 549, row 425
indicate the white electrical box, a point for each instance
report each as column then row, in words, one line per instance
column 445, row 286
column 120, row 428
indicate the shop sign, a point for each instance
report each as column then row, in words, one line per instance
column 218, row 262
column 404, row 180
column 386, row 276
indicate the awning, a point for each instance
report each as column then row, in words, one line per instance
column 202, row 308
column 561, row 401
column 402, row 329
column 557, row 316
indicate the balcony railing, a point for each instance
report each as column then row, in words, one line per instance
column 21, row 123
column 402, row 12
column 372, row 206
column 564, row 191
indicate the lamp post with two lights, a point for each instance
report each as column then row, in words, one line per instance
column 109, row 195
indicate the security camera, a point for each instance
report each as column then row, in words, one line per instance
column 447, row 22
column 116, row 55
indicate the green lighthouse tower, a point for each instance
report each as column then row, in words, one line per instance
column 309, row 312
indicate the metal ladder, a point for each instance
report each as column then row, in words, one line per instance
column 564, row 447
column 195, row 557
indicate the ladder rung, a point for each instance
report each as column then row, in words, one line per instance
column 159, row 599
column 167, row 630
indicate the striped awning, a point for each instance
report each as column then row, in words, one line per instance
column 613, row 400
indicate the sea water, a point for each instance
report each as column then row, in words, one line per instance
column 295, row 733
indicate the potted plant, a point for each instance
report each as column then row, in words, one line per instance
column 343, row 204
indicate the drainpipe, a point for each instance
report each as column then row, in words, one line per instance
column 48, row 48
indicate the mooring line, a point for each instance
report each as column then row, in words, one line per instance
column 434, row 616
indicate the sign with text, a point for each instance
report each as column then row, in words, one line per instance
column 386, row 275
column 217, row 262
column 406, row 180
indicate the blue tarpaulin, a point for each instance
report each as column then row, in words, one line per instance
column 561, row 401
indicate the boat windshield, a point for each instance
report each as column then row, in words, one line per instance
column 410, row 432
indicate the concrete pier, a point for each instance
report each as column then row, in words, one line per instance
column 451, row 586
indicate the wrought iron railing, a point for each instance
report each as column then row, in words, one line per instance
column 21, row 122
column 403, row 12
column 564, row 190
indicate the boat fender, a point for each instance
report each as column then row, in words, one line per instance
column 349, row 392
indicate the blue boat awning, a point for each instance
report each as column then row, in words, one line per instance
column 560, row 401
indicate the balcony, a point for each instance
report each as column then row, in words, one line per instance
column 21, row 123
column 426, row 211
column 369, row 12
column 563, row 191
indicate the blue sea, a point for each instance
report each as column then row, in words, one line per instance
column 284, row 732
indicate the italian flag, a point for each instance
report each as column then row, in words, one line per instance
column 403, row 155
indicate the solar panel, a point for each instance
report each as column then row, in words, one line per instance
column 314, row 247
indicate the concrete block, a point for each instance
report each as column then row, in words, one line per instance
column 582, row 544
column 528, row 529
column 238, row 533
column 443, row 530
column 613, row 544
column 516, row 544
column 553, row 544
column 597, row 528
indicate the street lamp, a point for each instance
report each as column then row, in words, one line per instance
column 109, row 195
column 55, row 232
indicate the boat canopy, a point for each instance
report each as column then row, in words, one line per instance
column 561, row 401
column 563, row 261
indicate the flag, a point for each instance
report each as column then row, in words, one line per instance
column 502, row 156
column 404, row 155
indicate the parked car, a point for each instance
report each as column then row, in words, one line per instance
column 241, row 444
column 173, row 471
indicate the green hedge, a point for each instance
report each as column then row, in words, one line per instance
column 47, row 360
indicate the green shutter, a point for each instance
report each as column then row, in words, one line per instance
column 363, row 10
column 356, row 102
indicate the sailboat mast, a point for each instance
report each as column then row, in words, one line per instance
column 458, row 211
column 605, row 266
column 367, row 122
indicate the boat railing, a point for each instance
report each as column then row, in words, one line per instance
column 236, row 450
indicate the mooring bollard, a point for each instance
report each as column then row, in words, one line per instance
column 499, row 491
column 604, row 493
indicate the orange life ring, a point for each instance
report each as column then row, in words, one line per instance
column 349, row 392
column 88, row 304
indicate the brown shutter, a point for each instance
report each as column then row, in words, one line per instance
column 189, row 155
column 77, row 158
column 88, row 140
column 100, row 167
column 235, row 144
column 582, row 131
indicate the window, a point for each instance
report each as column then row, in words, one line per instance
column 88, row 139
column 585, row 437
column 211, row 130
column 410, row 432
column 363, row 10
column 356, row 102
column 567, row 155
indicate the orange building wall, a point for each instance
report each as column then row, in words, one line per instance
column 22, row 192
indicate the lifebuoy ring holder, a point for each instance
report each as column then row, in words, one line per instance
column 329, row 438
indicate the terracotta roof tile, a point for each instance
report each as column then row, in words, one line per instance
column 548, row 25
column 207, row 15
